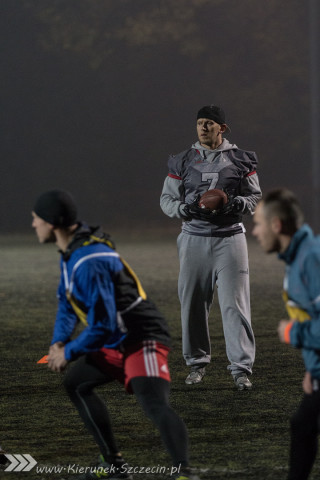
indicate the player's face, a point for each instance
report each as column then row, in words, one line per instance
column 264, row 231
column 209, row 132
column 44, row 230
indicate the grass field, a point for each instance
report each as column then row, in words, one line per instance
column 235, row 435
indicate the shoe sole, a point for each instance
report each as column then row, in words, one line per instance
column 243, row 387
column 194, row 382
column 190, row 382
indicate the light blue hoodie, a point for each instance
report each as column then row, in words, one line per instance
column 302, row 282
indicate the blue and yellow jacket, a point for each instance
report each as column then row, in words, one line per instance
column 98, row 288
column 302, row 286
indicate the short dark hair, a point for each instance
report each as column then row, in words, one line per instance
column 283, row 203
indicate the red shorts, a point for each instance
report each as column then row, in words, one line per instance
column 147, row 359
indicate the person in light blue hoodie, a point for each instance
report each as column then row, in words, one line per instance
column 279, row 227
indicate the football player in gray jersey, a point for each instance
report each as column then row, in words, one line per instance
column 212, row 246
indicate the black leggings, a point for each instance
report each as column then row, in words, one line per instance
column 153, row 395
column 304, row 437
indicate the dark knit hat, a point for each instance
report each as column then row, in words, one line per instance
column 56, row 207
column 213, row 113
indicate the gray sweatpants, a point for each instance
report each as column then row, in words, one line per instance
column 204, row 263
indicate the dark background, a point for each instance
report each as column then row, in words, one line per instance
column 95, row 94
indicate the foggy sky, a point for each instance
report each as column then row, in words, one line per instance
column 105, row 132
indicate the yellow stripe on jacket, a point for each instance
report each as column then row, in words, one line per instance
column 294, row 312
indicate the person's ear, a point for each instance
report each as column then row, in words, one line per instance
column 276, row 225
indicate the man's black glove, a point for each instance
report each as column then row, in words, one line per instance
column 235, row 205
column 192, row 210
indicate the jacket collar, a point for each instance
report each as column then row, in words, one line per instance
column 81, row 236
column 303, row 233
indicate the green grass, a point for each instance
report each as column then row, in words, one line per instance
column 236, row 435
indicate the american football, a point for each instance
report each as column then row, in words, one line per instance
column 213, row 199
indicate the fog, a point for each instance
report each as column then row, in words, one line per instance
column 95, row 96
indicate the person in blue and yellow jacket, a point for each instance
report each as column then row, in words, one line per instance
column 124, row 338
column 279, row 227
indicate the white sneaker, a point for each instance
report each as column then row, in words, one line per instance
column 242, row 381
column 196, row 375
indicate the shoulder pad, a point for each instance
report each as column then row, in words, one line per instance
column 246, row 159
column 177, row 162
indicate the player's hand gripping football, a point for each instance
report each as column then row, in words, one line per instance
column 211, row 203
column 56, row 358
column 235, row 205
column 193, row 210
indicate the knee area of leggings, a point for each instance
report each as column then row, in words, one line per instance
column 156, row 411
column 72, row 386
column 69, row 384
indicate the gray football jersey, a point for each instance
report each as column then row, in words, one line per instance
column 198, row 169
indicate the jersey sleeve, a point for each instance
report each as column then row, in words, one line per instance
column 172, row 199
column 250, row 191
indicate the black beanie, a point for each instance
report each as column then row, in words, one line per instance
column 214, row 113
column 56, row 207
